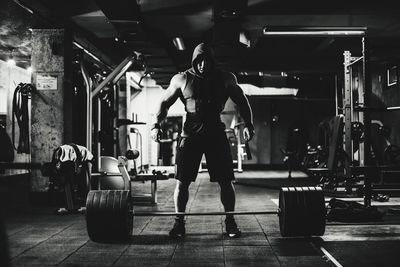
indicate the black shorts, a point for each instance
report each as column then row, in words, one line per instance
column 217, row 152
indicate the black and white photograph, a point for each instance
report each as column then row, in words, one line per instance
column 191, row 133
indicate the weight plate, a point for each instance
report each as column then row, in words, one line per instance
column 108, row 216
column 288, row 216
column 302, row 211
column 315, row 213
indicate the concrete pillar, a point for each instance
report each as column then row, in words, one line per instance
column 51, row 104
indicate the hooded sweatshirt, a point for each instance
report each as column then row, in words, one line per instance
column 204, row 95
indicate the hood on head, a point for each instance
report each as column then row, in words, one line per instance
column 202, row 51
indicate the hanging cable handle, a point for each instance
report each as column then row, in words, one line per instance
column 20, row 111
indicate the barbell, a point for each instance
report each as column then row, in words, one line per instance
column 110, row 215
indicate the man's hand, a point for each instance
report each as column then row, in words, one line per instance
column 248, row 133
column 155, row 134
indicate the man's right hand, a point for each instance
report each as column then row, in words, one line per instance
column 155, row 134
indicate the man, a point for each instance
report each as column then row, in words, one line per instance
column 204, row 90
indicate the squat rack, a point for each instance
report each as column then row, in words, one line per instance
column 355, row 80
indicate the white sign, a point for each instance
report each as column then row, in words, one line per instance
column 46, row 82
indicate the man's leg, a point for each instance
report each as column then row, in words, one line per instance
column 188, row 157
column 181, row 196
column 228, row 197
column 220, row 168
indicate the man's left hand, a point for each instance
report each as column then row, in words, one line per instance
column 248, row 133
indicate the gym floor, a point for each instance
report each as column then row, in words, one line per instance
column 38, row 237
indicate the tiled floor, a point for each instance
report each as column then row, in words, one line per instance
column 39, row 238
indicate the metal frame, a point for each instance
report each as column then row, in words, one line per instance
column 358, row 114
column 351, row 73
column 152, row 197
column 112, row 78
column 88, row 85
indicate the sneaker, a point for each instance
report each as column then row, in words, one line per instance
column 178, row 230
column 232, row 230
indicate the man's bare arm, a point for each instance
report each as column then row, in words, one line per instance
column 171, row 95
column 240, row 99
column 237, row 96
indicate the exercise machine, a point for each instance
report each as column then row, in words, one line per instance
column 114, row 175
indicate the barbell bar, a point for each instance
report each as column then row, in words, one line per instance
column 110, row 215
column 214, row 213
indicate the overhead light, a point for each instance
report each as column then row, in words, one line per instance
column 178, row 43
column 314, row 31
column 11, row 62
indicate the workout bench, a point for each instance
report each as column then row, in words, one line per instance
column 113, row 175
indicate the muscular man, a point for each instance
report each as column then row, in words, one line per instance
column 204, row 90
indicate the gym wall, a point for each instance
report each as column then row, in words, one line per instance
column 386, row 96
column 274, row 117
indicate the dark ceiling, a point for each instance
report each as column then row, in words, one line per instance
column 118, row 27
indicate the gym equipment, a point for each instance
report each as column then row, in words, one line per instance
column 316, row 157
column 139, row 139
column 20, row 107
column 357, row 131
column 302, row 211
column 359, row 145
column 356, row 92
column 296, row 149
column 105, row 85
column 132, row 154
column 352, row 211
column 109, row 213
column 113, row 175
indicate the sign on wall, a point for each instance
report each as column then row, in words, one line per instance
column 46, row 82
